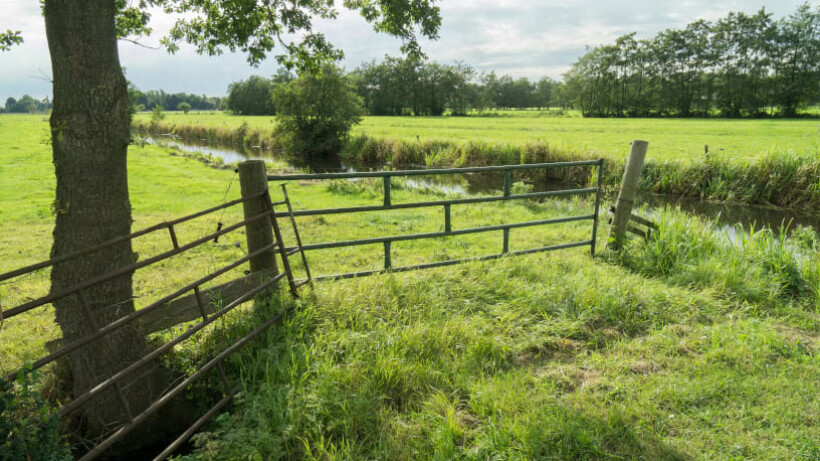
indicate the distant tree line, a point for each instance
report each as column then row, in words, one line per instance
column 150, row 99
column 26, row 104
column 398, row 86
column 410, row 87
column 739, row 66
column 254, row 96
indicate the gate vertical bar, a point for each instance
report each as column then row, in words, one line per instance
column 597, row 207
column 386, row 180
column 387, row 259
column 283, row 253
column 447, row 225
column 296, row 233
column 507, row 182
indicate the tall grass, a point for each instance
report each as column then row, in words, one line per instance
column 759, row 267
column 543, row 357
column 242, row 135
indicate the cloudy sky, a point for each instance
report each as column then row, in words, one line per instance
column 523, row 38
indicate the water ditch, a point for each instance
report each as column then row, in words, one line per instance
column 726, row 214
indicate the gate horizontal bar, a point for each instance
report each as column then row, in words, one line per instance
column 114, row 241
column 451, row 262
column 478, row 169
column 178, row 389
column 460, row 201
column 130, row 268
column 474, row 230
column 102, row 386
column 128, row 319
column 195, row 427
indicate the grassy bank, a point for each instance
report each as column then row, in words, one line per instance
column 768, row 163
column 698, row 344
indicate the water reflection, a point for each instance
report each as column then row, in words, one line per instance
column 747, row 216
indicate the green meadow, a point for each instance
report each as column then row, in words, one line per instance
column 670, row 139
column 699, row 343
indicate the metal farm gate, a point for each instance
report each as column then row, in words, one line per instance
column 200, row 304
column 449, row 230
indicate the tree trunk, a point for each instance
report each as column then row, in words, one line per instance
column 90, row 132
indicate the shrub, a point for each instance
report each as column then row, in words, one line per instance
column 157, row 114
column 316, row 112
column 29, row 425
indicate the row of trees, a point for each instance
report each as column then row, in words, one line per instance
column 738, row 66
column 410, row 87
column 405, row 86
column 26, row 104
column 152, row 98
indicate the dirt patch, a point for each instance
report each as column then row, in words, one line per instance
column 644, row 367
column 570, row 378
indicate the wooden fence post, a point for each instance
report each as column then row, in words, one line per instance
column 626, row 196
column 253, row 180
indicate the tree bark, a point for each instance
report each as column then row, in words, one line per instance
column 90, row 126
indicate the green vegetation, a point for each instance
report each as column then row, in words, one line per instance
column 30, row 425
column 670, row 139
column 316, row 112
column 253, row 96
column 700, row 343
column 750, row 161
column 9, row 38
column 149, row 99
column 25, row 105
column 546, row 357
column 742, row 65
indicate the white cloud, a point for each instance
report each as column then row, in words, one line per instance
column 521, row 37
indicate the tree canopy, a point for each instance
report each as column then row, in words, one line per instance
column 740, row 65
column 316, row 111
column 253, row 96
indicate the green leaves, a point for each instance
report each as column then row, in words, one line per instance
column 131, row 20
column 9, row 38
column 316, row 112
column 29, row 425
column 257, row 27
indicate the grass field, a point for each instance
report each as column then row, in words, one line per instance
column 698, row 344
column 668, row 138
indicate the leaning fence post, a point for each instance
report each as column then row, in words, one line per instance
column 626, row 196
column 258, row 233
